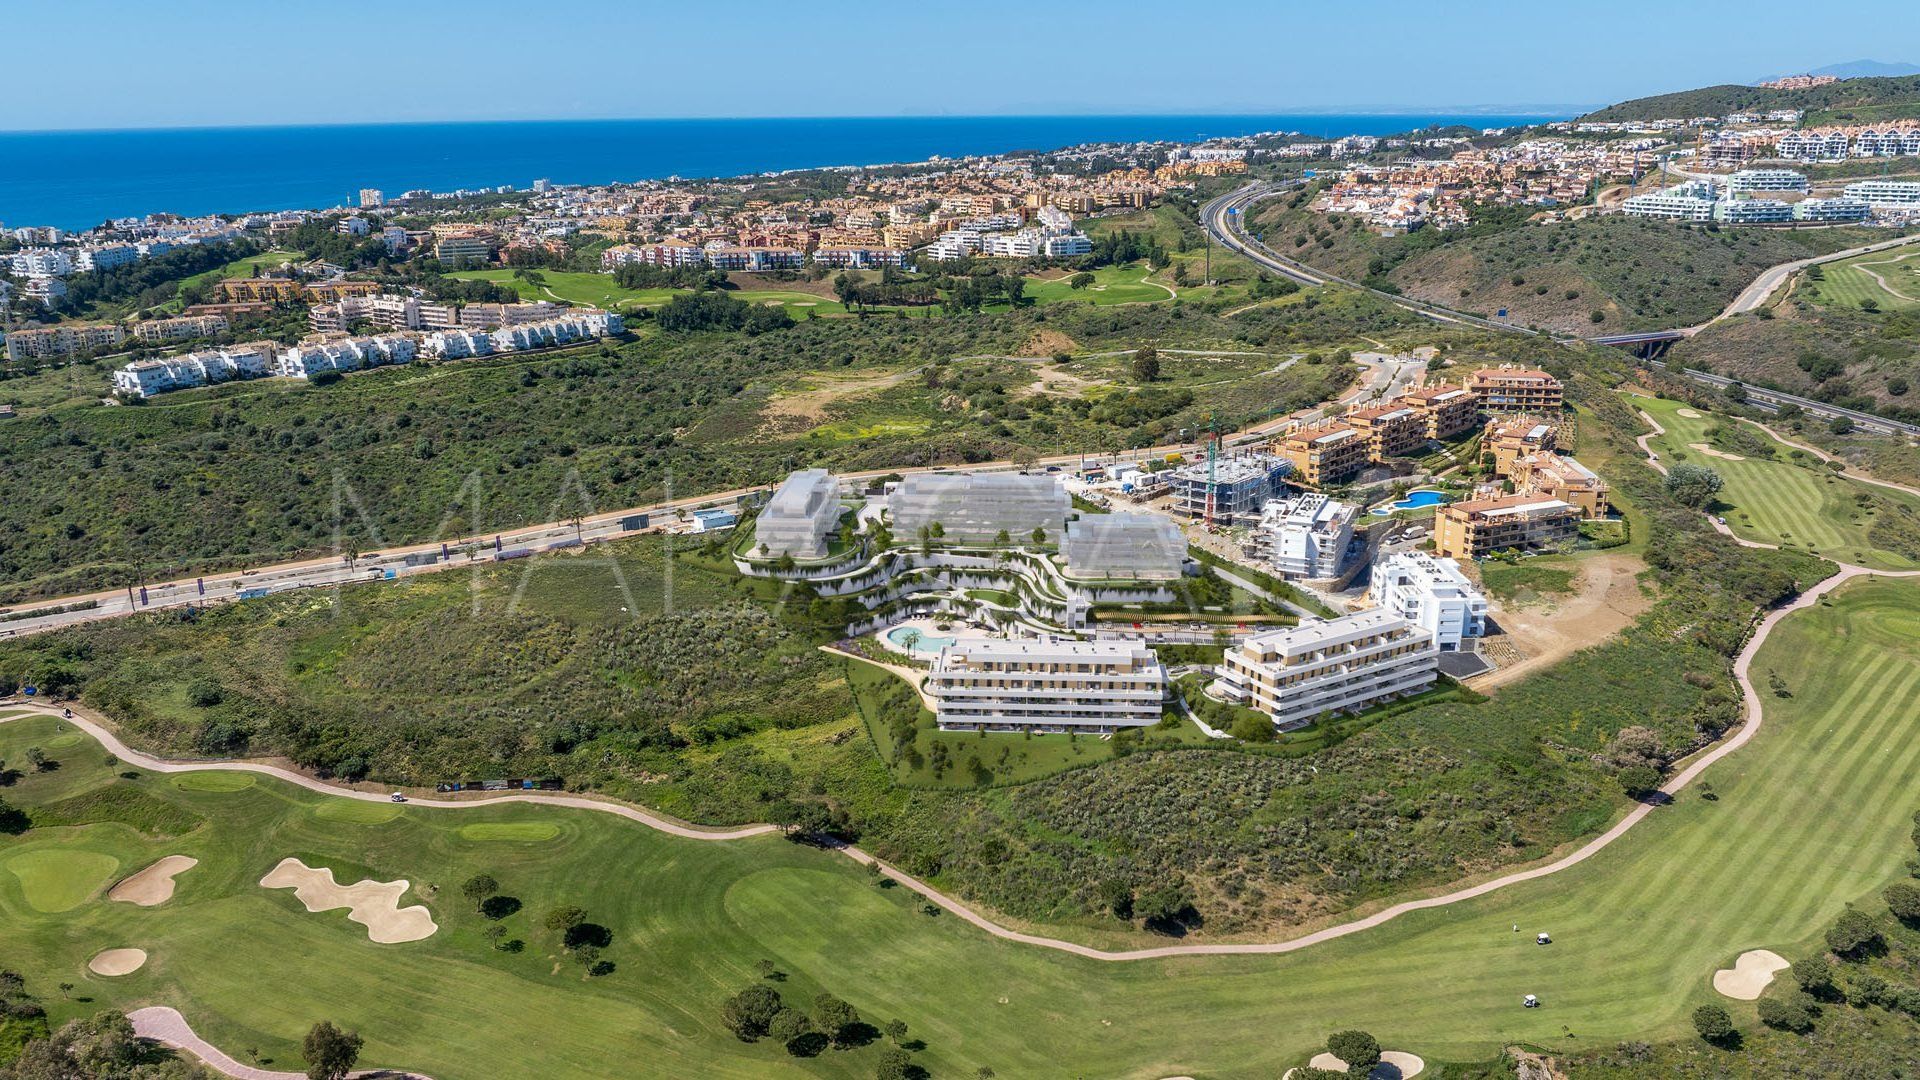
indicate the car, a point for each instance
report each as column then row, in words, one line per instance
column 1530, row 1002
column 396, row 797
column 1543, row 939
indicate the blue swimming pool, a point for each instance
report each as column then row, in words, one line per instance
column 926, row 645
column 1413, row 500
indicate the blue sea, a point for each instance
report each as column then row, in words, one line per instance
column 75, row 179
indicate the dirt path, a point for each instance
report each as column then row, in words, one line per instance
column 167, row 1026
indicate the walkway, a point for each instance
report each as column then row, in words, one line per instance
column 167, row 1026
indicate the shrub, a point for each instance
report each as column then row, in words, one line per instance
column 749, row 1013
column 1713, row 1024
column 1852, row 935
column 1785, row 1015
column 1903, row 899
column 1358, row 1049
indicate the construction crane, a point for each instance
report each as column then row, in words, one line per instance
column 1213, row 467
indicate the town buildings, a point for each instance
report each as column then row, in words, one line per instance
column 181, row 329
column 1128, row 546
column 344, row 355
column 1747, row 181
column 1891, row 194
column 145, row 378
column 801, row 517
column 982, row 683
column 976, row 507
column 1507, row 438
column 1392, row 429
column 1430, row 593
column 1561, row 477
column 1328, row 452
column 1447, row 410
column 64, row 339
column 1306, row 536
column 1317, row 669
column 1508, row 389
column 1524, row 522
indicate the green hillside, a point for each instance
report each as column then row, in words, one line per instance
column 1860, row 99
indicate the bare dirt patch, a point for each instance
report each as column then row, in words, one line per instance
column 1711, row 452
column 1059, row 382
column 154, row 885
column 805, row 409
column 373, row 904
column 1749, row 975
column 1606, row 598
column 117, row 962
column 1045, row 342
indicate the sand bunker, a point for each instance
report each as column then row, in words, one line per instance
column 373, row 904
column 1394, row 1065
column 117, row 962
column 1749, row 975
column 1690, row 414
column 1711, row 452
column 154, row 885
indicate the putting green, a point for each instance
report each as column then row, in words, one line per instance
column 60, row 879
column 213, row 781
column 62, row 742
column 356, row 812
column 524, row 831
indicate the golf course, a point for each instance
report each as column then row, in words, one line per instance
column 1790, row 499
column 1638, row 929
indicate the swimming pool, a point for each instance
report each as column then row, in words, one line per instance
column 926, row 645
column 1413, row 500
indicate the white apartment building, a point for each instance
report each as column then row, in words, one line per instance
column 181, row 329
column 50, row 291
column 1752, row 211
column 1886, row 194
column 62, row 340
column 1814, row 145
column 1046, row 685
column 458, row 344
column 353, row 226
column 371, row 196
column 957, row 244
column 1306, row 536
column 105, row 257
column 1672, row 205
column 974, row 508
column 388, row 311
column 1067, row 246
column 801, row 517
column 1124, row 546
column 1890, row 142
column 1314, row 669
column 349, row 354
column 42, row 262
column 1838, row 208
column 1431, row 593
column 1751, row 180
column 145, row 378
column 579, row 325
column 487, row 316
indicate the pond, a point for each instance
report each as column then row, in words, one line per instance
column 927, row 646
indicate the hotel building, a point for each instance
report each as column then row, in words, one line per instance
column 1315, row 669
column 1045, row 685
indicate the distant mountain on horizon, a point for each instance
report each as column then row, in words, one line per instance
column 1854, row 69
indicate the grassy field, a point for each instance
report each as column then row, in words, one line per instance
column 1528, row 580
column 1798, row 505
column 1890, row 280
column 1638, row 928
column 1111, row 285
column 599, row 290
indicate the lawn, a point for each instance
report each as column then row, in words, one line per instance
column 1811, row 815
column 1528, row 579
column 1111, row 285
column 1797, row 505
column 1888, row 279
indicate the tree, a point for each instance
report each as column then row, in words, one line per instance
column 1358, row 1049
column 1146, row 364
column 329, row 1052
column 1002, row 538
column 1080, row 280
column 1693, row 485
column 477, row 888
column 1852, row 934
column 894, row 1065
column 788, row 1025
column 1841, row 426
column 562, row 919
column 750, row 1013
column 1814, row 975
column 1638, row 780
column 1903, row 899
column 837, row 1018
column 1786, row 1014
column 896, row 1030
column 1039, row 535
column 1713, row 1024
column 37, row 758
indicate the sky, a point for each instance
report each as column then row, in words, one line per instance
column 192, row 63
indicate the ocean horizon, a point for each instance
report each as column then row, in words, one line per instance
column 77, row 179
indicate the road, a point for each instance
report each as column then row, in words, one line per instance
column 1381, row 373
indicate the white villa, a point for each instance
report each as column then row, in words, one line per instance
column 1046, row 685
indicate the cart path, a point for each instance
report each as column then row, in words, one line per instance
column 167, row 1026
